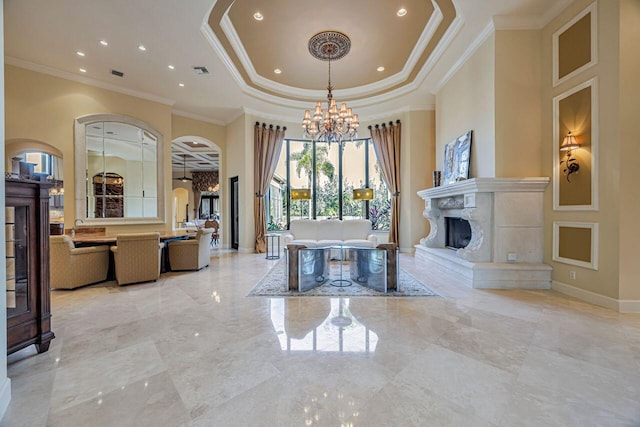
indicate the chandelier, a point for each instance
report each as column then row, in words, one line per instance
column 332, row 124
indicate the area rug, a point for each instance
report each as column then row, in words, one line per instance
column 273, row 285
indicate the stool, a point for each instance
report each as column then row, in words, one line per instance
column 273, row 246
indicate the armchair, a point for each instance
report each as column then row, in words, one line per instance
column 137, row 257
column 192, row 254
column 72, row 267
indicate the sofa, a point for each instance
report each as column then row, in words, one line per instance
column 330, row 232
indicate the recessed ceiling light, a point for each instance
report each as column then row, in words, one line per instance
column 380, row 68
column 79, row 53
column 258, row 16
column 402, row 12
column 141, row 47
column 181, row 84
column 104, row 43
column 277, row 71
column 82, row 70
column 171, row 67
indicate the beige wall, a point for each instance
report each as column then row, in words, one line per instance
column 605, row 280
column 629, row 149
column 517, row 104
column 236, row 166
column 417, row 162
column 467, row 102
column 43, row 108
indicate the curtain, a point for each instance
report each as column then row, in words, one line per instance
column 267, row 143
column 386, row 143
column 202, row 181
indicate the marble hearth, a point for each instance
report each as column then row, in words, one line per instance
column 506, row 219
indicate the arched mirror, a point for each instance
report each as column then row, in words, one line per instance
column 118, row 180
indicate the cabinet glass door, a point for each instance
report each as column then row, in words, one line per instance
column 17, row 247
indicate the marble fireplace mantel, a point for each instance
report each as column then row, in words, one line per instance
column 506, row 220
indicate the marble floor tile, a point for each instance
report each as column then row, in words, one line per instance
column 193, row 350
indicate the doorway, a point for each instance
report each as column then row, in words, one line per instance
column 235, row 213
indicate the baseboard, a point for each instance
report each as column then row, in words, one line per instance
column 246, row 250
column 407, row 250
column 629, row 306
column 623, row 306
column 5, row 396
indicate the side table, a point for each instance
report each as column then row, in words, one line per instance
column 273, row 246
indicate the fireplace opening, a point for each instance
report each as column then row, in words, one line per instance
column 457, row 233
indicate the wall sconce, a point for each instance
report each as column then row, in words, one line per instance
column 571, row 164
column 363, row 194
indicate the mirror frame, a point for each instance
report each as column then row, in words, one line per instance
column 80, row 158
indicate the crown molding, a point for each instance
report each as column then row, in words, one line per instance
column 482, row 37
column 447, row 39
column 213, row 41
column 85, row 80
column 198, row 117
column 298, row 117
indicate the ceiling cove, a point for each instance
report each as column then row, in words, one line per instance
column 407, row 47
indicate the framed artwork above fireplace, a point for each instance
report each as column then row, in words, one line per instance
column 457, row 155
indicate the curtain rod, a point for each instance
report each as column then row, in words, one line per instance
column 384, row 125
column 264, row 125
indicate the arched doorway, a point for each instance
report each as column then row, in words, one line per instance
column 180, row 207
column 196, row 165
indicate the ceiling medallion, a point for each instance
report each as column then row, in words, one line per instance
column 333, row 125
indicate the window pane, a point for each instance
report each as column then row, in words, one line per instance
column 276, row 201
column 301, row 175
column 353, row 176
column 327, row 180
column 380, row 206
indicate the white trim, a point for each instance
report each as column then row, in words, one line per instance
column 486, row 185
column 479, row 41
column 198, row 117
column 246, row 250
column 5, row 393
column 80, row 158
column 210, row 36
column 85, row 80
column 407, row 250
column 593, row 9
column 588, row 296
column 593, row 226
column 595, row 133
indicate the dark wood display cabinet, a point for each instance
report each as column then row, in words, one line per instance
column 27, row 252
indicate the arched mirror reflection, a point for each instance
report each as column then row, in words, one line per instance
column 119, row 157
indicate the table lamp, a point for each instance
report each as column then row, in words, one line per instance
column 301, row 194
column 364, row 194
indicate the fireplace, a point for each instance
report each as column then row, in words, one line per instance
column 457, row 233
column 487, row 232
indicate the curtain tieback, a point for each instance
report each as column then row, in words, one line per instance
column 396, row 194
column 259, row 195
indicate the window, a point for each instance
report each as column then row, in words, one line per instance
column 331, row 173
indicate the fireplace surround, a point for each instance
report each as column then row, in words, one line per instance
column 505, row 216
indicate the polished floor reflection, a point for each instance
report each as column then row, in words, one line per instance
column 193, row 350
